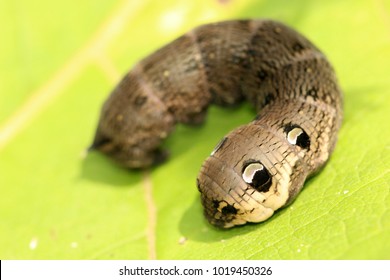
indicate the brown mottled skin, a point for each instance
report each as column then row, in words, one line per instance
column 288, row 80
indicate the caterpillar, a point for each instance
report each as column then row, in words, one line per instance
column 258, row 167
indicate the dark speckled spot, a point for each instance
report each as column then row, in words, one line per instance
column 297, row 47
column 140, row 100
column 228, row 209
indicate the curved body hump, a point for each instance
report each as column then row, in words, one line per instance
column 258, row 167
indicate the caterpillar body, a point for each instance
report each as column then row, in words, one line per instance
column 258, row 167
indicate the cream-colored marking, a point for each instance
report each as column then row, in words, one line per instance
column 198, row 57
column 309, row 99
column 293, row 135
column 166, row 73
column 260, row 214
column 221, row 205
column 250, row 171
column 277, row 200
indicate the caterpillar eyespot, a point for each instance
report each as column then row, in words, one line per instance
column 255, row 175
column 297, row 136
column 258, row 167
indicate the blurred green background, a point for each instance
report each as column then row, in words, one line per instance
column 58, row 63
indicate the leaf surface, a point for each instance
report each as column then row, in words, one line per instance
column 59, row 62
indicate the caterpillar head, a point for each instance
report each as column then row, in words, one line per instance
column 249, row 175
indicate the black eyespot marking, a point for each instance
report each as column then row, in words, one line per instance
column 297, row 136
column 229, row 209
column 256, row 175
column 303, row 141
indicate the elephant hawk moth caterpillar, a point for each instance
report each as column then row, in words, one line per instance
column 258, row 167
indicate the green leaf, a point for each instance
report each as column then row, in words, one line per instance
column 59, row 62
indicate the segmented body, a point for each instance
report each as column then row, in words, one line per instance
column 258, row 167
